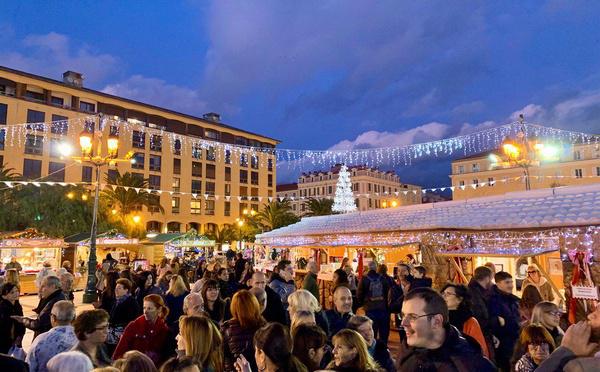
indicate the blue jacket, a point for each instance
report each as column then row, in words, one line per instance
column 282, row 288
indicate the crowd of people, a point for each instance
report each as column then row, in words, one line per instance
column 224, row 316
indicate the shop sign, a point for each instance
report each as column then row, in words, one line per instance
column 585, row 293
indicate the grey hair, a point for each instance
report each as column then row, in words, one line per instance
column 192, row 296
column 53, row 280
column 70, row 361
column 372, row 265
column 65, row 311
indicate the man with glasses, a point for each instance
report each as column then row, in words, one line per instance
column 535, row 278
column 432, row 344
column 60, row 338
column 193, row 304
column 91, row 329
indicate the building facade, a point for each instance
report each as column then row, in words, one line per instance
column 478, row 175
column 372, row 187
column 162, row 141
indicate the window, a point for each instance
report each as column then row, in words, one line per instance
column 56, row 172
column 196, row 169
column 254, row 178
column 87, row 107
column 154, row 182
column 227, row 189
column 209, row 207
column 461, row 169
column 461, row 183
column 330, row 189
column 196, row 152
column 138, row 139
column 254, row 162
column 243, row 191
column 36, row 117
column 153, row 226
column 176, row 184
column 578, row 173
column 196, row 186
column 175, row 203
column 227, row 156
column 210, row 171
column 368, row 186
column 2, row 139
column 475, row 167
column 491, row 181
column 112, row 175
column 577, row 155
column 140, row 176
column 34, row 95
column 227, row 174
column 86, row 174
column 210, row 188
column 597, row 171
column 214, row 135
column 60, row 125
column 114, row 130
column 3, row 113
column 177, row 147
column 270, row 180
column 227, row 211
column 210, row 153
column 196, row 207
column 34, row 144
column 354, row 187
column 32, row 169
column 270, row 165
column 155, row 163
column 155, row 206
column 243, row 160
column 57, row 101
column 176, row 166
column 155, row 142
column 476, row 182
column 138, row 160
column 243, row 176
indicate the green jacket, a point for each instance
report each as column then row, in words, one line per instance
column 310, row 284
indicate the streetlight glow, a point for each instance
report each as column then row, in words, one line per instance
column 137, row 219
column 65, row 149
column 70, row 195
column 84, row 197
column 394, row 203
column 85, row 141
column 113, row 145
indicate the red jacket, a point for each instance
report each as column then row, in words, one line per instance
column 150, row 339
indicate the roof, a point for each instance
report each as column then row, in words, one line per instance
column 534, row 209
column 76, row 238
column 479, row 155
column 58, row 82
column 161, row 238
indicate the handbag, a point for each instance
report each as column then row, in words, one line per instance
column 17, row 352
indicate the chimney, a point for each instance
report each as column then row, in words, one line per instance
column 73, row 78
column 212, row 116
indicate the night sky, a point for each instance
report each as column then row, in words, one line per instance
column 328, row 74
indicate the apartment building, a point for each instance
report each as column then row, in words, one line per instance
column 372, row 187
column 479, row 175
column 233, row 182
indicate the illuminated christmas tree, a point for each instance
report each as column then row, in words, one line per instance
column 344, row 198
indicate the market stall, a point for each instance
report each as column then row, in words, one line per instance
column 122, row 248
column 549, row 227
column 30, row 249
column 172, row 245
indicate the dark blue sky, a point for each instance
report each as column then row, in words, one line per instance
column 325, row 74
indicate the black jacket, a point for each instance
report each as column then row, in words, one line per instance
column 480, row 298
column 455, row 355
column 236, row 341
column 505, row 305
column 336, row 321
column 382, row 356
column 9, row 329
column 123, row 313
column 42, row 323
column 274, row 311
column 364, row 296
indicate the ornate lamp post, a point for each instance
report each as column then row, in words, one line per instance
column 91, row 153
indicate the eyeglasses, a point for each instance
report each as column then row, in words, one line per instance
column 554, row 313
column 542, row 346
column 411, row 318
column 532, row 272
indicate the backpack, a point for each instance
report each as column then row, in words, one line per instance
column 375, row 292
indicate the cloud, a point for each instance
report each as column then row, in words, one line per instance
column 468, row 108
column 159, row 93
column 532, row 113
column 52, row 54
column 578, row 106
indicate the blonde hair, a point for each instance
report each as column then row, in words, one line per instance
column 177, row 286
column 363, row 360
column 303, row 300
column 537, row 315
column 301, row 317
column 203, row 342
column 246, row 310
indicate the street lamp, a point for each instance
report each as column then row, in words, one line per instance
column 91, row 153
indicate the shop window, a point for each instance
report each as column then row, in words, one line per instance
column 153, row 226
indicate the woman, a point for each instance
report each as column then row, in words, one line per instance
column 146, row 286
column 458, row 298
column 180, row 365
column 350, row 353
column 303, row 300
column 148, row 333
column 44, row 272
column 548, row 315
column 134, row 361
column 91, row 329
column 310, row 344
column 164, row 281
column 272, row 351
column 175, row 264
column 200, row 268
column 124, row 310
column 66, row 284
column 530, row 297
column 183, row 273
column 174, row 300
column 107, row 298
column 217, row 309
column 301, row 318
column 69, row 361
column 534, row 278
column 534, row 346
column 340, row 277
column 11, row 331
column 239, row 330
column 246, row 274
column 164, row 267
column 200, row 340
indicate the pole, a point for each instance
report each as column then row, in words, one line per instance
column 90, row 294
column 527, row 184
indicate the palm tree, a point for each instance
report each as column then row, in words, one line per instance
column 8, row 174
column 274, row 215
column 126, row 199
column 225, row 234
column 318, row 207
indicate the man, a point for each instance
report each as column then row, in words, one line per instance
column 480, row 289
column 377, row 350
column 193, row 304
column 432, row 344
column 420, row 278
column 373, row 296
column 342, row 310
column 261, row 297
column 60, row 338
column 578, row 350
column 13, row 264
column 91, row 329
column 50, row 293
column 504, row 306
column 310, row 282
column 282, row 281
column 274, row 310
column 226, row 286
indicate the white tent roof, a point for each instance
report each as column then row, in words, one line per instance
column 543, row 208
